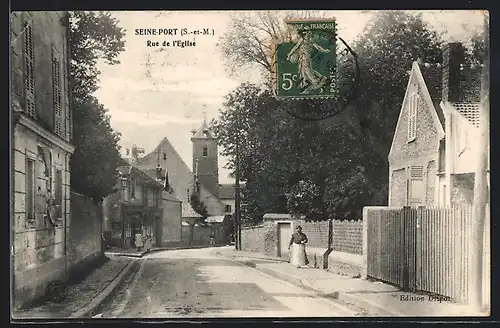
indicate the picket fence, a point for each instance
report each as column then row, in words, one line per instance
column 420, row 249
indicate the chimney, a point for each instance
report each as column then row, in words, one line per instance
column 453, row 57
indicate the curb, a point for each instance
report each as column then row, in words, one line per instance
column 294, row 281
column 337, row 297
column 161, row 250
column 91, row 308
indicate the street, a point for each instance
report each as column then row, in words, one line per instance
column 198, row 283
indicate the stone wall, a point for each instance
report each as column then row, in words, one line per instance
column 348, row 236
column 171, row 228
column 201, row 235
column 84, row 244
column 316, row 232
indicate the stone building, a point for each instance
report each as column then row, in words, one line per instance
column 432, row 157
column 142, row 204
column 182, row 181
column 41, row 149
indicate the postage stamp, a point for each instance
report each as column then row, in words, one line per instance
column 306, row 68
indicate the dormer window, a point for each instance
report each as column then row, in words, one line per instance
column 412, row 115
column 205, row 151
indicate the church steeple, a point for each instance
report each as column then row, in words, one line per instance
column 205, row 158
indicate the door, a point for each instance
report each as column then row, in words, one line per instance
column 158, row 230
column 284, row 235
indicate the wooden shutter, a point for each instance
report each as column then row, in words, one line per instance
column 56, row 92
column 29, row 69
column 417, row 186
column 412, row 116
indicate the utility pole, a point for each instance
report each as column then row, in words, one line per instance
column 237, row 198
column 480, row 182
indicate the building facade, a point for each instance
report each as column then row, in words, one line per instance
column 182, row 181
column 432, row 157
column 41, row 149
column 136, row 206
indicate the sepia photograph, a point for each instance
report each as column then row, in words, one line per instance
column 249, row 164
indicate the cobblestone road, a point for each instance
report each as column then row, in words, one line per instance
column 196, row 283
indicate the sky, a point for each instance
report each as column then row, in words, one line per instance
column 158, row 92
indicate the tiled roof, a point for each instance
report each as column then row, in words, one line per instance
column 470, row 111
column 226, row 190
column 433, row 81
column 469, row 87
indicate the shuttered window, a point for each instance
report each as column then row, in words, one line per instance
column 417, row 186
column 29, row 70
column 412, row 116
column 56, row 92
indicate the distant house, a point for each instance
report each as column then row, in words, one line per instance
column 141, row 203
column 183, row 182
column 432, row 157
column 227, row 196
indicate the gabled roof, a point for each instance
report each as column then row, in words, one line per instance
column 433, row 80
column 126, row 170
column 188, row 211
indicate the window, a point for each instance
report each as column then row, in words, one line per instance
column 412, row 116
column 29, row 70
column 205, row 151
column 228, row 208
column 145, row 192
column 157, row 197
column 132, row 189
column 417, row 187
column 188, row 193
column 30, row 189
column 56, row 92
column 58, row 193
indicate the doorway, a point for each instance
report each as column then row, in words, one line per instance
column 284, row 235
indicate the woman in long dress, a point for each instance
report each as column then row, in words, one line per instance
column 298, row 242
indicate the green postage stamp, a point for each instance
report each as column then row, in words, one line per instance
column 307, row 68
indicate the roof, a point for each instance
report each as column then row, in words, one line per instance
column 203, row 132
column 470, row 87
column 188, row 211
column 277, row 216
column 215, row 219
column 168, row 196
column 143, row 177
column 433, row 80
column 226, row 190
column 470, row 111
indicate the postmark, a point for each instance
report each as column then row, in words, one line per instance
column 318, row 67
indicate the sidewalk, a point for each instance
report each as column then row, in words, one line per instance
column 132, row 252
column 370, row 298
column 84, row 297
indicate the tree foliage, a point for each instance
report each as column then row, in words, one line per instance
column 94, row 36
column 330, row 168
column 198, row 206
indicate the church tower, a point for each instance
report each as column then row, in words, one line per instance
column 205, row 158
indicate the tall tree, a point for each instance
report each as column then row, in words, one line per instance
column 94, row 36
column 341, row 162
